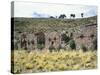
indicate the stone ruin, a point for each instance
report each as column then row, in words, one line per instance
column 85, row 36
column 53, row 39
column 30, row 41
column 40, row 40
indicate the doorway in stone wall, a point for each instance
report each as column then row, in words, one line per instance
column 40, row 40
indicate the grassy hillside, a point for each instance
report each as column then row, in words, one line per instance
column 49, row 24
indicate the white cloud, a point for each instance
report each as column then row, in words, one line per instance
column 27, row 9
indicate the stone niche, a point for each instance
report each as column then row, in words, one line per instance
column 52, row 39
column 31, row 42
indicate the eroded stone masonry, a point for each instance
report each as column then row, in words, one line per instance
column 85, row 35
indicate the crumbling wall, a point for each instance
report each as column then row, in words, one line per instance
column 53, row 39
column 85, row 36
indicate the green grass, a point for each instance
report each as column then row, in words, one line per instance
column 45, row 25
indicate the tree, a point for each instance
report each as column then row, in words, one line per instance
column 52, row 17
column 72, row 44
column 72, row 15
column 82, row 14
column 62, row 16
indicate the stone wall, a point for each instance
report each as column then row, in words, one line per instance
column 31, row 41
column 85, row 36
column 53, row 39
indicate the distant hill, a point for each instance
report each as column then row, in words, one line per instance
column 50, row 24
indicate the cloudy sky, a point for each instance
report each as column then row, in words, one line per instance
column 30, row 9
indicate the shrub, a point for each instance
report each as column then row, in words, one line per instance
column 83, row 48
column 95, row 44
column 65, row 38
column 40, row 46
column 51, row 48
column 29, row 66
column 72, row 44
column 52, row 61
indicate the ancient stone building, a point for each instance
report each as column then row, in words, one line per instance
column 85, row 36
column 40, row 40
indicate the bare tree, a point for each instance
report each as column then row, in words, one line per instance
column 82, row 14
column 62, row 16
column 72, row 15
column 52, row 17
